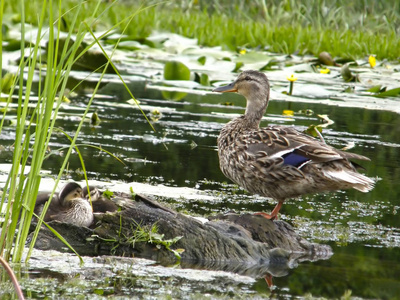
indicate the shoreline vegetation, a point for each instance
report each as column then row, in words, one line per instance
column 346, row 29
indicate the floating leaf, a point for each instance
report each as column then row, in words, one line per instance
column 349, row 89
column 253, row 57
column 202, row 60
column 204, row 80
column 174, row 96
column 389, row 93
column 175, row 70
column 375, row 89
column 268, row 66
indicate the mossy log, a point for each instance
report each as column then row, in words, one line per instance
column 224, row 242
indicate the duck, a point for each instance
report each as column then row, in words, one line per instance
column 280, row 162
column 100, row 203
column 68, row 206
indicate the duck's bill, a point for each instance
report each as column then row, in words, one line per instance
column 226, row 89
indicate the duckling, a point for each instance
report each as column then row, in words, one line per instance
column 100, row 203
column 68, row 206
column 277, row 161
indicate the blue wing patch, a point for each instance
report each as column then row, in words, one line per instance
column 294, row 159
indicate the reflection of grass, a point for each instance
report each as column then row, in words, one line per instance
column 345, row 28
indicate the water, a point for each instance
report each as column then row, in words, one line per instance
column 362, row 229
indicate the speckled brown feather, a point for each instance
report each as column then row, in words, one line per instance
column 253, row 157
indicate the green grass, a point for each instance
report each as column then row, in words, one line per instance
column 343, row 28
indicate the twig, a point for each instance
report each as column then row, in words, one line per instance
column 13, row 278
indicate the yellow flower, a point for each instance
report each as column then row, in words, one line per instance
column 291, row 78
column 372, row 61
column 325, row 71
column 243, row 51
column 288, row 112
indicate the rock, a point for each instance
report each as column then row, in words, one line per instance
column 247, row 244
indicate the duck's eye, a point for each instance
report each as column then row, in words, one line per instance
column 247, row 78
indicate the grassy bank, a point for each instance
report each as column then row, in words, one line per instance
column 343, row 28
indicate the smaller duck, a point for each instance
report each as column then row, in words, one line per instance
column 100, row 203
column 68, row 206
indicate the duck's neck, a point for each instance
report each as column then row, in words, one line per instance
column 255, row 110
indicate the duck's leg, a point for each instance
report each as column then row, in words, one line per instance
column 268, row 280
column 274, row 213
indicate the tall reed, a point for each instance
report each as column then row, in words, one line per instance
column 34, row 129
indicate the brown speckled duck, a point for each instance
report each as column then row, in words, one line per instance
column 68, row 206
column 277, row 161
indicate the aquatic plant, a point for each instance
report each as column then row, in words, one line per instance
column 343, row 28
column 34, row 128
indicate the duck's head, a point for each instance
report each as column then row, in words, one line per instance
column 93, row 191
column 254, row 86
column 70, row 191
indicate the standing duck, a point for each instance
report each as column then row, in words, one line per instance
column 277, row 161
column 68, row 206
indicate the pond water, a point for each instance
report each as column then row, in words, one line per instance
column 362, row 229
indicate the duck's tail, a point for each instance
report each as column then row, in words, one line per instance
column 356, row 180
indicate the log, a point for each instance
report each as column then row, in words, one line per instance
column 247, row 244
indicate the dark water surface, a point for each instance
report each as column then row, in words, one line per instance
column 363, row 229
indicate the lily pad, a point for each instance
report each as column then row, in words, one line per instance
column 175, row 70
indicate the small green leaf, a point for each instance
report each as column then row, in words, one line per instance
column 175, row 70
column 375, row 89
column 202, row 60
column 108, row 194
column 98, row 291
column 204, row 80
column 8, row 81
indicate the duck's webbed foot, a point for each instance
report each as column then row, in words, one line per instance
column 274, row 213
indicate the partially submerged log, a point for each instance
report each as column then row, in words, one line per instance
column 224, row 242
